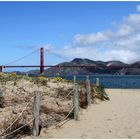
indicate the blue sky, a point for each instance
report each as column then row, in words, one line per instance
column 94, row 30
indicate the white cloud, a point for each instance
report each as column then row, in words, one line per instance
column 95, row 54
column 124, row 30
column 48, row 46
column 138, row 8
column 133, row 20
column 129, row 41
column 89, row 39
column 122, row 44
column 35, row 47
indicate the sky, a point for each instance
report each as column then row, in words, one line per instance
column 95, row 30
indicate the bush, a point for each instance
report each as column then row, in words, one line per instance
column 8, row 77
column 100, row 91
column 11, row 77
column 58, row 79
column 41, row 81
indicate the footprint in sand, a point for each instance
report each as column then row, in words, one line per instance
column 83, row 136
column 109, row 119
column 129, row 137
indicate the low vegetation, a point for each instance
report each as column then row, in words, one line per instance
column 56, row 101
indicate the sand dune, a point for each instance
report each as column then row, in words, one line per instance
column 118, row 118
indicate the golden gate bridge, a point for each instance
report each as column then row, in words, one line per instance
column 42, row 66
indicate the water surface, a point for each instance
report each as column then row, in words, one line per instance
column 112, row 81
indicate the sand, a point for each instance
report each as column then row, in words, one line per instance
column 117, row 118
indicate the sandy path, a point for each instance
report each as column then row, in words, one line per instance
column 118, row 118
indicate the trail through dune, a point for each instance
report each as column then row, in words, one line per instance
column 118, row 118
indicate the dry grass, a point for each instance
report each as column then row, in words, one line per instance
column 17, row 124
column 49, row 116
column 2, row 102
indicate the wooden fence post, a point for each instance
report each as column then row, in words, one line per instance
column 97, row 82
column 88, row 91
column 36, row 109
column 75, row 101
column 74, row 78
column 27, row 74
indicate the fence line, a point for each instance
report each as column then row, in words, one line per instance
column 17, row 129
column 36, row 113
column 88, row 91
column 66, row 116
column 76, row 101
column 36, row 108
column 16, row 118
column 97, row 82
column 67, row 95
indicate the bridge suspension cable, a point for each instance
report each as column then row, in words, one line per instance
column 21, row 58
column 57, row 55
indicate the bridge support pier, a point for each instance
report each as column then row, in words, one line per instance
column 42, row 61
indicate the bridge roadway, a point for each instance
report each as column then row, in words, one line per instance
column 59, row 66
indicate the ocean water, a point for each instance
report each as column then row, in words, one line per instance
column 112, row 81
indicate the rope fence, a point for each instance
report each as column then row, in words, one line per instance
column 67, row 95
column 17, row 129
column 16, row 118
column 74, row 110
column 66, row 117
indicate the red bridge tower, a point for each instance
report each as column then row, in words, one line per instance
column 42, row 61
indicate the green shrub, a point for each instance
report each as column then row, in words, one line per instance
column 41, row 81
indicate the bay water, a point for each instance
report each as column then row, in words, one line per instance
column 112, row 81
